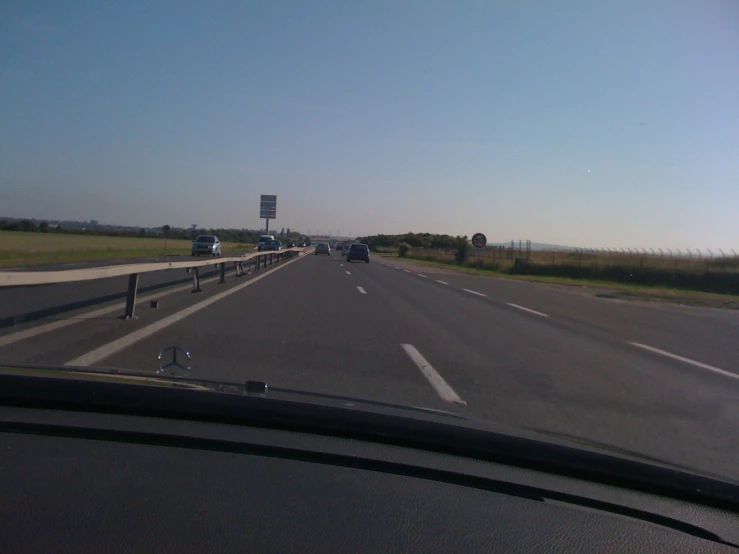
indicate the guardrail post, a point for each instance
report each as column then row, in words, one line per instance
column 239, row 269
column 196, row 280
column 133, row 283
column 222, row 269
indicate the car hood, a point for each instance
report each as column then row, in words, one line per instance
column 252, row 389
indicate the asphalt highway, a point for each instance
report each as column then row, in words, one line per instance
column 659, row 380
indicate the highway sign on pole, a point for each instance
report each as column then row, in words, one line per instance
column 479, row 240
column 268, row 208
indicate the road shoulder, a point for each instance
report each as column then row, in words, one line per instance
column 608, row 291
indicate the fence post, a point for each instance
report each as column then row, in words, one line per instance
column 133, row 282
column 196, row 280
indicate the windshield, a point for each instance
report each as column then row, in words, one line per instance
column 544, row 196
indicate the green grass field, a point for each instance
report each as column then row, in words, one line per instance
column 24, row 249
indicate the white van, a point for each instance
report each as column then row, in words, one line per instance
column 264, row 240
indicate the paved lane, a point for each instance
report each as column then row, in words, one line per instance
column 528, row 371
column 307, row 327
column 707, row 335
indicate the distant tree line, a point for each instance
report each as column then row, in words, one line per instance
column 250, row 236
column 404, row 243
column 413, row 240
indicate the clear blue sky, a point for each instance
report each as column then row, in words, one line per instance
column 584, row 123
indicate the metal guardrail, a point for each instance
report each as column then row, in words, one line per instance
column 10, row 279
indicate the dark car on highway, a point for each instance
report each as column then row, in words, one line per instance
column 358, row 252
column 273, row 245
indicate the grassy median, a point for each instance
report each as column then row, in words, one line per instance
column 19, row 249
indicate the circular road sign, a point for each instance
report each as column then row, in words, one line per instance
column 479, row 240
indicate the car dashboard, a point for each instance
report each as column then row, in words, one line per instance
column 95, row 482
column 119, row 462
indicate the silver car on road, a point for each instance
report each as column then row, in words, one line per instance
column 206, row 244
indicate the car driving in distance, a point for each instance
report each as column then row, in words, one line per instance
column 272, row 245
column 206, row 244
column 323, row 248
column 264, row 240
column 358, row 252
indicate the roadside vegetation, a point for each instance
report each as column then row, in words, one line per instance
column 717, row 275
column 24, row 249
column 27, row 242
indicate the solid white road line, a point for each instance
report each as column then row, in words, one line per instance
column 424, row 276
column 528, row 310
column 437, row 381
column 48, row 327
column 361, row 290
column 442, row 282
column 474, row 292
column 686, row 360
column 111, row 348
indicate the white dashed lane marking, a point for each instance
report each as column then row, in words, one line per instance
column 686, row 360
column 474, row 292
column 528, row 310
column 437, row 381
